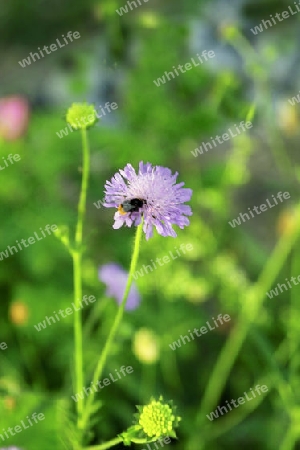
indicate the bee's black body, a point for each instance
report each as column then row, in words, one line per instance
column 132, row 205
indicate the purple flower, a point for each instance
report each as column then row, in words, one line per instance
column 153, row 193
column 10, row 448
column 115, row 279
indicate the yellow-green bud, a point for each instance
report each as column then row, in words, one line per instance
column 153, row 421
column 81, row 115
column 158, row 419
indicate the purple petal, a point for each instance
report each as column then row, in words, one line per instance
column 115, row 279
column 164, row 200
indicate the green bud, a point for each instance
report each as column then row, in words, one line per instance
column 81, row 115
column 156, row 419
column 153, row 421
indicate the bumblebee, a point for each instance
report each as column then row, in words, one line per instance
column 132, row 205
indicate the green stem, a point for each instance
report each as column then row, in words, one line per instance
column 116, row 323
column 106, row 445
column 274, row 359
column 258, row 71
column 78, row 334
column 84, row 185
column 290, row 438
column 252, row 303
column 77, row 271
column 293, row 329
column 236, row 417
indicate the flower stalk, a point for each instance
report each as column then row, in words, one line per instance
column 77, row 270
column 116, row 323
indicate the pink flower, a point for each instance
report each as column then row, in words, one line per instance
column 14, row 116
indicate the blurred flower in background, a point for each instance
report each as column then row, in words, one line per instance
column 115, row 278
column 9, row 403
column 287, row 117
column 14, row 116
column 286, row 222
column 146, row 346
column 18, row 313
column 10, row 448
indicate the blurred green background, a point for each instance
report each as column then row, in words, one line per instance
column 116, row 59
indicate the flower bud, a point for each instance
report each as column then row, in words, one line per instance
column 81, row 115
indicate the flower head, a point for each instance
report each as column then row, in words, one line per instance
column 14, row 116
column 158, row 419
column 115, row 279
column 153, row 421
column 151, row 193
column 81, row 115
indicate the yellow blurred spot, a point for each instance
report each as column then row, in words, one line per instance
column 9, row 403
column 146, row 346
column 149, row 20
column 287, row 222
column 18, row 313
column 287, row 118
column 228, row 31
column 197, row 293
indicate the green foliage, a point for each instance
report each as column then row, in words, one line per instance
column 162, row 125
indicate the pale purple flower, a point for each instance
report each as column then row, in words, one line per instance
column 10, row 448
column 115, row 278
column 161, row 201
